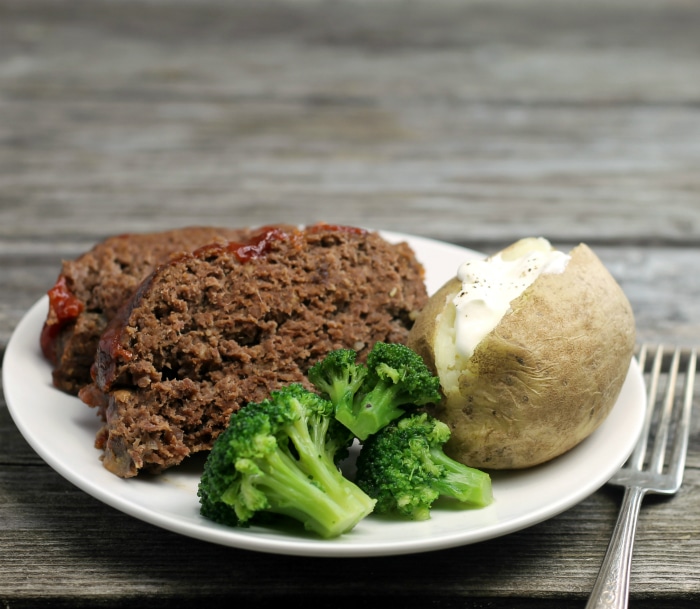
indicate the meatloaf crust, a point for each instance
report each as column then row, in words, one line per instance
column 213, row 330
column 90, row 289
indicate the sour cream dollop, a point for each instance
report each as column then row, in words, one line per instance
column 489, row 285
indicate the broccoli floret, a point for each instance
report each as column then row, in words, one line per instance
column 280, row 456
column 368, row 397
column 339, row 377
column 404, row 467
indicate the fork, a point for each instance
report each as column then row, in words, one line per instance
column 665, row 430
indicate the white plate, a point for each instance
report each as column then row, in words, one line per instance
column 61, row 429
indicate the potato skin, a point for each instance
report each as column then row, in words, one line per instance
column 546, row 377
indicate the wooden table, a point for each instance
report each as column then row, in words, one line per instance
column 470, row 122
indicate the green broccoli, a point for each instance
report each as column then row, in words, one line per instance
column 368, row 397
column 404, row 467
column 280, row 456
column 338, row 377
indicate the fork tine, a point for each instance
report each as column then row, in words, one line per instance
column 636, row 460
column 681, row 445
column 656, row 462
column 612, row 585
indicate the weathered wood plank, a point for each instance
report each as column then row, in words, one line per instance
column 58, row 543
column 54, row 540
column 459, row 119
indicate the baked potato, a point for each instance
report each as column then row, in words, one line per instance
column 532, row 346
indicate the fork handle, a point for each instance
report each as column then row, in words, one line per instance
column 611, row 590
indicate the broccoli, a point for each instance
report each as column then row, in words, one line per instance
column 280, row 456
column 338, row 377
column 404, row 467
column 368, row 397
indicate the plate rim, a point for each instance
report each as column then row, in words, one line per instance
column 18, row 351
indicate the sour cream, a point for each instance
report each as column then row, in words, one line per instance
column 489, row 286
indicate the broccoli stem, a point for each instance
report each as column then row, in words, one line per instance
column 306, row 486
column 341, row 393
column 372, row 411
column 462, row 482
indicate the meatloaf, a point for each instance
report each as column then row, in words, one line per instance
column 90, row 289
column 211, row 331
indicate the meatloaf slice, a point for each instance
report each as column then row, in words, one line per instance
column 90, row 289
column 211, row 331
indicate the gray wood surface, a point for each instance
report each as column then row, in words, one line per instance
column 467, row 121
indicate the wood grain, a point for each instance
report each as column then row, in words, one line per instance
column 63, row 542
column 466, row 121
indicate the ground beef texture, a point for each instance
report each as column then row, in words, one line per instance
column 211, row 331
column 91, row 288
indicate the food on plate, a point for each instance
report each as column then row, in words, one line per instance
column 90, row 289
column 404, row 467
column 284, row 455
column 369, row 396
column 532, row 347
column 280, row 456
column 211, row 330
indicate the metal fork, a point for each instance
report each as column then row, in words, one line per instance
column 666, row 427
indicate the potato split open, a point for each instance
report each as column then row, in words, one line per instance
column 545, row 377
